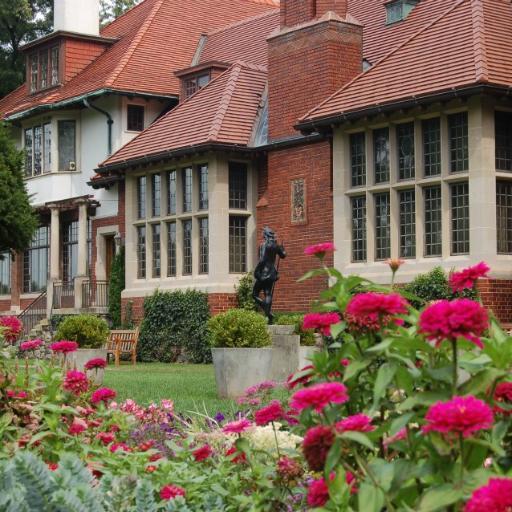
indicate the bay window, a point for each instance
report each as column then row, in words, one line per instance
column 237, row 244
column 67, row 145
column 36, row 262
column 38, row 149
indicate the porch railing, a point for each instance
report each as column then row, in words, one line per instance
column 95, row 294
column 33, row 314
column 63, row 295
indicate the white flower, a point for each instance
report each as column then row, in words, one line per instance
column 263, row 438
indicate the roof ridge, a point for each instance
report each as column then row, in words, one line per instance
column 481, row 68
column 251, row 65
column 242, row 22
column 236, row 69
column 387, row 56
column 135, row 42
column 108, row 25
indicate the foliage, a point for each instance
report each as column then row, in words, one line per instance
column 238, row 328
column 112, row 9
column 89, row 331
column 18, row 221
column 244, row 293
column 175, row 320
column 116, row 286
column 128, row 316
column 307, row 336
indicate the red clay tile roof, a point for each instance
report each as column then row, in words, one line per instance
column 469, row 43
column 156, row 38
column 223, row 112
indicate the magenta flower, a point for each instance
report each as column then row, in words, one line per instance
column 31, row 345
column 355, row 423
column 319, row 396
column 401, row 435
column 496, row 496
column 318, row 493
column 77, row 427
column 272, row 412
column 169, row 492
column 461, row 415
column 103, row 395
column 64, row 346
column 460, row 281
column 321, row 321
column 12, row 327
column 237, row 427
column 94, row 364
column 76, row 382
column 319, row 250
column 316, row 445
column 449, row 320
column 202, row 453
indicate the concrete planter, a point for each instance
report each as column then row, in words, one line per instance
column 82, row 355
column 305, row 354
column 238, row 368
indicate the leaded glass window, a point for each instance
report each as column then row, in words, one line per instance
column 5, row 273
column 203, row 187
column 382, row 226
column 237, row 244
column 67, row 146
column 394, row 12
column 55, row 65
column 381, row 154
column 460, row 218
column 504, row 216
column 187, row 189
column 433, row 224
column 43, row 62
column 503, row 129
column 47, row 147
column 431, row 132
column 29, row 148
column 203, row 245
column 405, row 142
column 34, row 72
column 36, row 261
column 171, row 193
column 38, row 150
column 135, row 118
column 238, row 185
column 156, row 194
column 69, row 251
column 459, row 152
column 359, row 229
column 171, row 249
column 358, row 159
column 156, row 251
column 141, row 252
column 141, row 197
column 187, row 247
column 407, row 200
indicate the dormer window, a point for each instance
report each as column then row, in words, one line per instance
column 44, row 69
column 194, row 83
column 398, row 10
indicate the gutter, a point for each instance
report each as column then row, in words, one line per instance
column 110, row 122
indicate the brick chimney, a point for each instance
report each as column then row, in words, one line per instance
column 80, row 16
column 318, row 49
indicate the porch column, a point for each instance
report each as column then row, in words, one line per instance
column 55, row 245
column 82, row 254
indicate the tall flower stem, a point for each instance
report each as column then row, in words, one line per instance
column 277, row 443
column 461, row 444
column 455, row 368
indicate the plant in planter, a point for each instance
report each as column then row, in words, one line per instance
column 240, row 349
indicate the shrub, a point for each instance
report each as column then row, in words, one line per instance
column 175, row 320
column 307, row 336
column 244, row 293
column 116, row 286
column 238, row 328
column 88, row 331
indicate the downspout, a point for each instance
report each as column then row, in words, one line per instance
column 110, row 122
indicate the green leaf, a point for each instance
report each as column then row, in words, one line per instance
column 385, row 375
column 383, row 472
column 482, row 381
column 354, row 368
column 400, row 422
column 337, row 329
column 332, row 458
column 439, row 497
column 370, row 498
column 358, row 437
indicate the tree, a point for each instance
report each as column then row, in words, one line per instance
column 112, row 9
column 18, row 221
column 116, row 286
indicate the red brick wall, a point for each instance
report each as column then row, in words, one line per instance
column 306, row 66
column 137, row 308
column 77, row 55
column 5, row 305
column 496, row 295
column 312, row 162
column 338, row 6
column 294, row 12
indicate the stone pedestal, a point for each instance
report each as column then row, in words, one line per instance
column 285, row 351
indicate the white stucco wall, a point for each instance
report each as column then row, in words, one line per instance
column 81, row 16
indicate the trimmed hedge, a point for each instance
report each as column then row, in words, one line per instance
column 89, row 331
column 175, row 320
column 307, row 336
column 238, row 328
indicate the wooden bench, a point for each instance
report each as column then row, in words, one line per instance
column 122, row 342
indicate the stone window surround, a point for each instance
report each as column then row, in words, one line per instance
column 481, row 176
column 218, row 280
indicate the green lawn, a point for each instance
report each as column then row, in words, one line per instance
column 190, row 387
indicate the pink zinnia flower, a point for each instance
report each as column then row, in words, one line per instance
column 319, row 250
column 237, row 427
column 169, row 492
column 12, row 327
column 106, row 437
column 496, row 496
column 289, row 469
column 103, row 395
column 449, row 320
column 64, row 347
column 373, row 310
column 355, row 423
column 77, row 427
column 319, row 396
column 399, row 436
column 503, row 394
column 93, row 364
column 202, row 453
column 318, row 493
column 321, row 321
column 76, row 382
column 467, row 278
column 272, row 412
column 31, row 345
column 461, row 415
column 316, row 445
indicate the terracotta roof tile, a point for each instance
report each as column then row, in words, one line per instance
column 223, row 112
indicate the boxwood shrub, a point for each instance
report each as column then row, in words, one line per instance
column 307, row 336
column 89, row 331
column 172, row 321
column 238, row 328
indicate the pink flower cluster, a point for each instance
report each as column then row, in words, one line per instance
column 169, row 492
column 76, row 382
column 94, row 364
column 237, row 427
column 321, row 321
column 319, row 396
column 153, row 413
column 12, row 327
column 496, row 496
column 103, row 395
column 272, row 412
column 449, row 320
column 31, row 345
column 460, row 281
column 64, row 346
column 373, row 310
column 319, row 250
column 266, row 385
column 461, row 415
column 318, row 491
column 355, row 423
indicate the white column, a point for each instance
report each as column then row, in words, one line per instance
column 82, row 240
column 55, row 244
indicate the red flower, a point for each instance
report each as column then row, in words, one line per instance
column 237, row 427
column 292, row 381
column 52, row 466
column 467, row 278
column 64, row 347
column 319, row 396
column 239, row 457
column 31, row 345
column 445, row 320
column 76, row 382
column 12, row 328
column 373, row 310
column 147, row 445
column 321, row 321
column 120, row 446
column 103, row 395
column 106, row 437
column 496, row 496
column 319, row 250
column 461, row 414
column 169, row 492
column 289, row 469
column 20, row 395
column 356, row 423
column 316, row 445
column 202, row 453
column 155, row 457
column 503, row 394
column 95, row 364
column 151, row 469
column 77, row 427
column 318, row 493
column 272, row 412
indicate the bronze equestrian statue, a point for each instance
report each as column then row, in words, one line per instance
column 266, row 272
